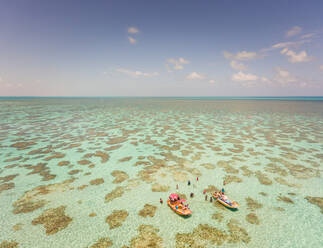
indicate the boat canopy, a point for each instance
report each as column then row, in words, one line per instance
column 174, row 197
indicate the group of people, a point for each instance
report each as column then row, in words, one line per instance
column 206, row 197
column 219, row 194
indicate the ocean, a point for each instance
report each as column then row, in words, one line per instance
column 90, row 172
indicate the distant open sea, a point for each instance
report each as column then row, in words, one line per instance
column 280, row 98
column 90, row 171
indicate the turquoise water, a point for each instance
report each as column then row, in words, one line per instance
column 64, row 159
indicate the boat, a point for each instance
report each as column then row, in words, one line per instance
column 226, row 202
column 178, row 205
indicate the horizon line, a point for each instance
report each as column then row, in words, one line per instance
column 3, row 97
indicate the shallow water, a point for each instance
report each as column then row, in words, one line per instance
column 270, row 154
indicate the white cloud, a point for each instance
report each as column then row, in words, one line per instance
column 283, row 44
column 132, row 40
column 266, row 80
column 211, row 81
column 9, row 85
column 195, row 75
column 293, row 31
column 238, row 66
column 136, row 74
column 294, row 57
column 284, row 77
column 307, row 36
column 321, row 67
column 133, row 30
column 227, row 55
column 183, row 61
column 177, row 64
column 241, row 77
column 244, row 55
column 289, row 44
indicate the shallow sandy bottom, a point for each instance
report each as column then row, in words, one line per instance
column 90, row 172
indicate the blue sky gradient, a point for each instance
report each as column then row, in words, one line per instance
column 181, row 48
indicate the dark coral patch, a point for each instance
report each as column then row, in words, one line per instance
column 182, row 196
column 73, row 172
column 218, row 217
column 232, row 179
column 82, row 187
column 53, row 219
column 92, row 214
column 142, row 163
column 8, row 244
column 147, row 238
column 112, row 148
column 284, row 182
column 56, row 155
column 148, row 210
column 117, row 192
column 237, row 233
column 43, row 150
column 125, row 159
column 23, row 145
column 42, row 170
column 201, row 236
column 253, row 204
column 31, row 199
column 252, row 219
column 208, row 166
column 117, row 140
column 17, row 227
column 6, row 186
column 120, row 176
column 246, row 171
column 104, row 156
column 159, row 188
column 211, row 189
column 63, row 163
column 97, row 181
column 285, row 199
column 318, row 201
column 13, row 159
column 84, row 162
column 275, row 169
column 102, row 243
column 28, row 206
column 262, row 178
column 116, row 218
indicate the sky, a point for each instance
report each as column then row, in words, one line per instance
column 161, row 48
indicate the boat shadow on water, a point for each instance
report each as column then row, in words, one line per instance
column 185, row 216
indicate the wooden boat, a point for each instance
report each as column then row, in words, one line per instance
column 228, row 203
column 177, row 204
column 181, row 210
